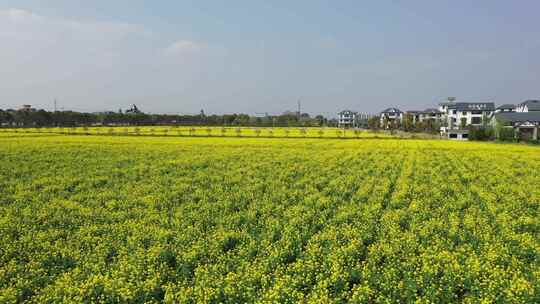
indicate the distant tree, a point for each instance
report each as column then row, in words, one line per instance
column 408, row 122
column 374, row 123
column 320, row 120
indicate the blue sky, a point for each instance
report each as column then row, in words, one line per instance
column 262, row 56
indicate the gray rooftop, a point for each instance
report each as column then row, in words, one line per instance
column 431, row 111
column 532, row 105
column 512, row 117
column 392, row 110
column 472, row 106
column 506, row 106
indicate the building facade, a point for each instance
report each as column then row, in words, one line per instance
column 391, row 116
column 459, row 115
column 347, row 119
column 526, row 125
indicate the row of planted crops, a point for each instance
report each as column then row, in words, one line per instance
column 198, row 131
column 235, row 220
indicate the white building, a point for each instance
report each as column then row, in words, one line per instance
column 347, row 119
column 458, row 115
column 391, row 116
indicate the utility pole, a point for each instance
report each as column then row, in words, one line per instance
column 55, row 105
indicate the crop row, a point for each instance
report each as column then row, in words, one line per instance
column 204, row 132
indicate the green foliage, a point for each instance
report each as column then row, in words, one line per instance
column 88, row 219
column 506, row 134
column 481, row 133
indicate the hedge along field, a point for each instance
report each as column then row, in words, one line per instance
column 198, row 131
column 191, row 220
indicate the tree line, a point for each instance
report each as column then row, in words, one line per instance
column 43, row 118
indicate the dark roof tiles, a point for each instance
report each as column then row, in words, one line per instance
column 392, row 111
column 519, row 116
column 506, row 106
column 473, row 106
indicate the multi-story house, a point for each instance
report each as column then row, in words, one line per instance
column 431, row 114
column 458, row 115
column 421, row 116
column 526, row 125
column 347, row 119
column 391, row 116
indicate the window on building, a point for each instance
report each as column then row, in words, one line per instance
column 453, row 135
column 454, row 112
column 477, row 112
column 476, row 120
column 464, row 135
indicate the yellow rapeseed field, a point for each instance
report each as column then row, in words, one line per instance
column 142, row 219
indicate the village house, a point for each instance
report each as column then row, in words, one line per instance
column 391, row 116
column 431, row 114
column 457, row 118
column 422, row 116
column 347, row 119
column 526, row 125
column 458, row 115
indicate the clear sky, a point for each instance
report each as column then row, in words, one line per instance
column 253, row 56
